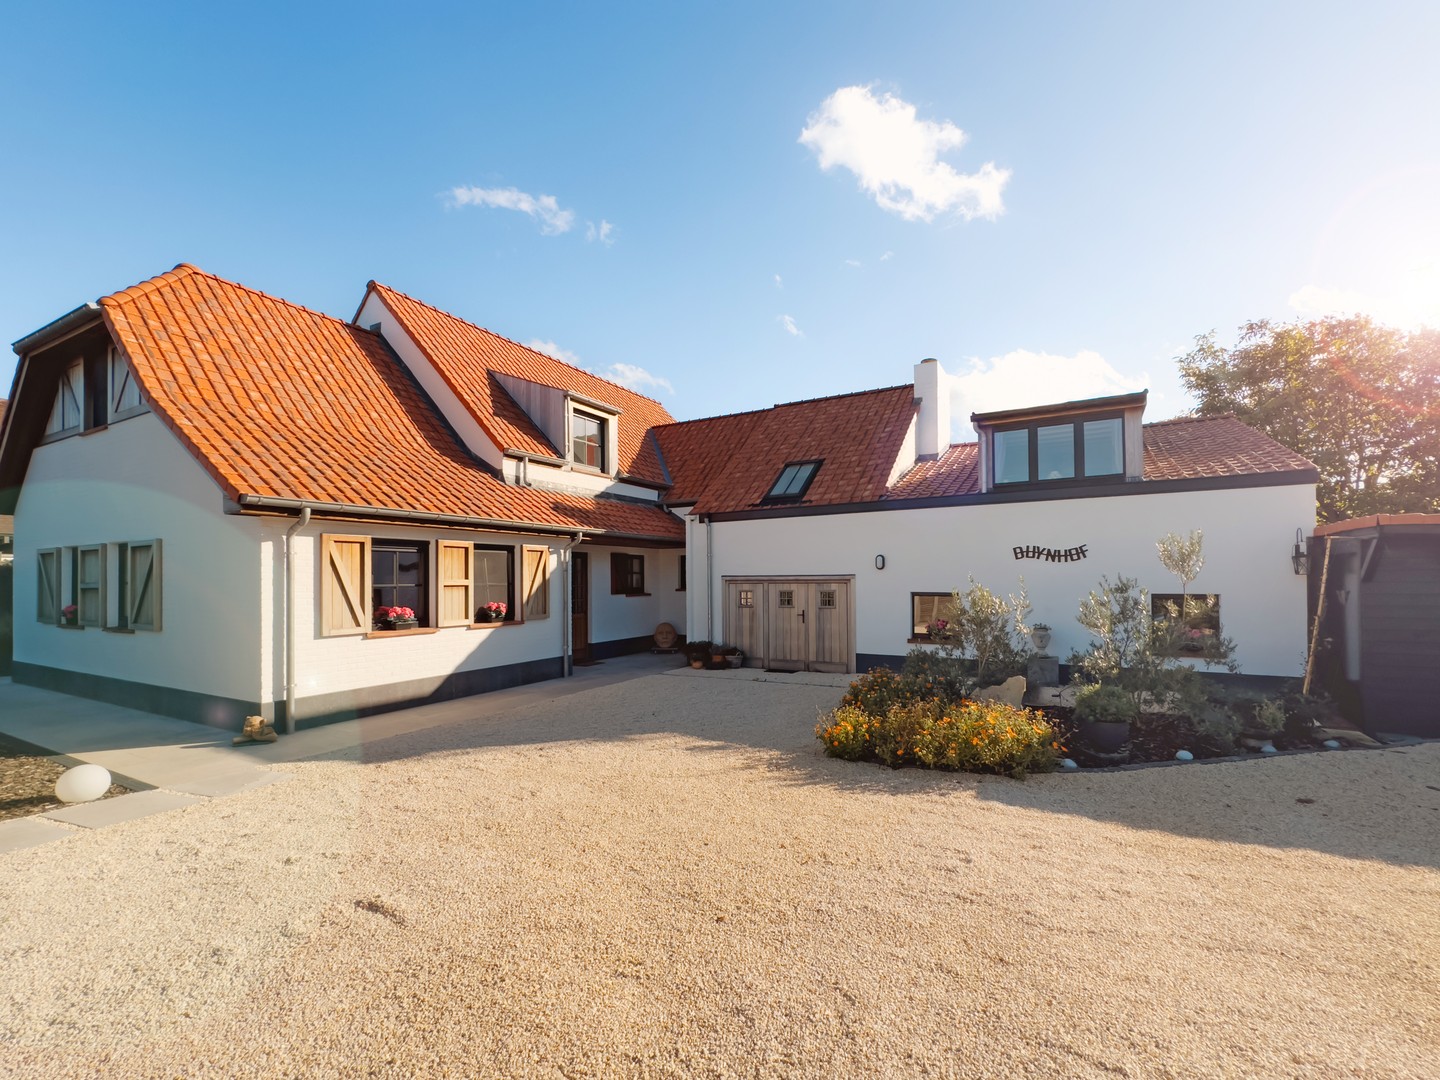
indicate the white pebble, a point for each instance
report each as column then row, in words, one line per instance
column 1066, row 763
column 83, row 783
column 1184, row 755
column 1331, row 744
column 1269, row 748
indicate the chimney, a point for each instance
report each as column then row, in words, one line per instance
column 932, row 425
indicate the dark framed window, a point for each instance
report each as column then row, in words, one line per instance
column 627, row 574
column 681, row 586
column 792, row 483
column 1049, row 451
column 587, row 440
column 925, row 612
column 495, row 579
column 399, row 576
column 1199, row 612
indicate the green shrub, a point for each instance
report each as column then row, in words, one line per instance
column 880, row 689
column 976, row 736
column 982, row 638
column 1102, row 703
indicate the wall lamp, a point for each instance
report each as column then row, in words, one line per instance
column 1300, row 557
column 879, row 562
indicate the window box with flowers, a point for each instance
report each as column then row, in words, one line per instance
column 395, row 618
column 69, row 615
column 493, row 612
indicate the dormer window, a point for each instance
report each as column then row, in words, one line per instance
column 587, row 439
column 1040, row 451
column 793, row 481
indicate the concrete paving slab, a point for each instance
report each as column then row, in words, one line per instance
column 20, row 833
column 230, row 782
column 106, row 812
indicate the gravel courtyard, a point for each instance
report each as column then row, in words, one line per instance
column 664, row 877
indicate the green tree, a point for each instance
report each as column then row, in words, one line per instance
column 1360, row 400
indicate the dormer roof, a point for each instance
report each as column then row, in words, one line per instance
column 469, row 359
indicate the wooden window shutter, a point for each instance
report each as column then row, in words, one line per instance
column 344, row 585
column 456, row 588
column 535, row 582
column 47, row 585
column 142, row 606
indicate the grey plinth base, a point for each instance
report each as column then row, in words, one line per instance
column 1043, row 671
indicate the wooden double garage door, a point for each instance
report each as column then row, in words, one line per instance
column 792, row 624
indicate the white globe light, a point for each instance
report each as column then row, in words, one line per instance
column 83, row 783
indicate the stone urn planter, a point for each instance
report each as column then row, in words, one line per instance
column 1040, row 636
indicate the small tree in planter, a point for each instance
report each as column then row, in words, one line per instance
column 980, row 639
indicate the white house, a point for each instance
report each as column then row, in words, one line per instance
column 215, row 491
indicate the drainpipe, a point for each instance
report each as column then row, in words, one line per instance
column 300, row 523
column 567, row 632
column 709, row 579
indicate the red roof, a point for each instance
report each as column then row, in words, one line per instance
column 1189, row 448
column 730, row 463
column 278, row 401
column 468, row 358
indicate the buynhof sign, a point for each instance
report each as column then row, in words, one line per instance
column 1074, row 554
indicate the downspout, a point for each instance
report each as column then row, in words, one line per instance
column 709, row 579
column 300, row 523
column 567, row 632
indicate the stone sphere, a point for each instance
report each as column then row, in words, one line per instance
column 83, row 783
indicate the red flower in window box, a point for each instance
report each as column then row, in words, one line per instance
column 395, row 618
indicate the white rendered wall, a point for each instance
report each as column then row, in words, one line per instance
column 578, row 481
column 1248, row 536
column 134, row 481
column 326, row 665
column 614, row 618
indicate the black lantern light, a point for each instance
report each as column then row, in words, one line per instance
column 1300, row 557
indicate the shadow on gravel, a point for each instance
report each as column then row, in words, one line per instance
column 1358, row 804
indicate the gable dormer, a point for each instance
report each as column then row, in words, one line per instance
column 585, row 431
column 1095, row 441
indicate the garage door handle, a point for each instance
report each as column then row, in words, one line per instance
column 802, row 614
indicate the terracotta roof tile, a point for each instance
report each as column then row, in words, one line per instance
column 1189, row 448
column 468, row 358
column 276, row 400
column 729, row 463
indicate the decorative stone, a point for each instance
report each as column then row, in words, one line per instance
column 1010, row 692
column 1268, row 748
column 1066, row 763
column 1184, row 755
column 1331, row 744
column 83, row 783
column 1040, row 635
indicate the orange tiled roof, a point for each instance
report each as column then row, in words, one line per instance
column 278, row 401
column 729, row 463
column 1188, row 448
column 468, row 357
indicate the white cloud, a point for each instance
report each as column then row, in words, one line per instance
column 853, row 263
column 543, row 208
column 778, row 283
column 549, row 348
column 636, row 378
column 790, row 327
column 896, row 156
column 1412, row 299
column 887, row 256
column 604, row 232
column 1022, row 378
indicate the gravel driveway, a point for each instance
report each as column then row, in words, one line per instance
column 664, row 877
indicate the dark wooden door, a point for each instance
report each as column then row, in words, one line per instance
column 580, row 607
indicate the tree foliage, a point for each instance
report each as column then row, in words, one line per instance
column 1360, row 400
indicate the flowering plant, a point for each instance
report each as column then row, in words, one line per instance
column 495, row 607
column 69, row 611
column 390, row 614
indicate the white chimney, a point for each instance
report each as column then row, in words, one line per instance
column 932, row 425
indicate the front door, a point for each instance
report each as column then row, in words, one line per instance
column 580, row 606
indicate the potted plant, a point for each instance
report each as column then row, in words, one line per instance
column 733, row 656
column 494, row 611
column 717, row 655
column 1040, row 636
column 1104, row 714
column 69, row 615
column 698, row 652
column 395, row 618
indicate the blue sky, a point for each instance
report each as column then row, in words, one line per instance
column 628, row 185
